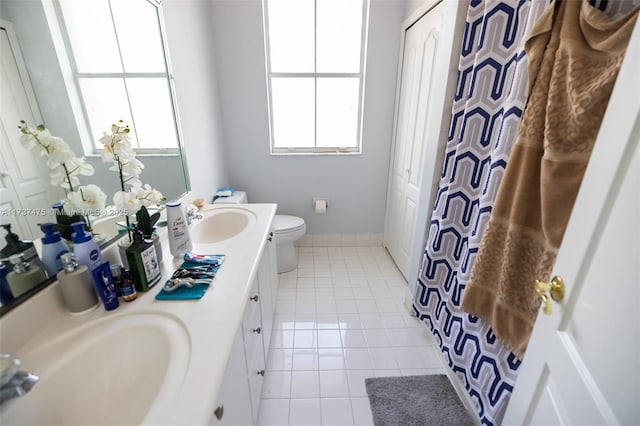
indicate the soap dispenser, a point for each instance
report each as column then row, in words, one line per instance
column 52, row 249
column 76, row 285
column 14, row 246
column 85, row 249
column 24, row 276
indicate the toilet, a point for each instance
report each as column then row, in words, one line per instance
column 286, row 230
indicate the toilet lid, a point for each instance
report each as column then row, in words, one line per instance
column 285, row 223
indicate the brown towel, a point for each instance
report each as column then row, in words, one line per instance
column 574, row 54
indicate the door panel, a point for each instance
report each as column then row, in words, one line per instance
column 425, row 70
column 588, row 348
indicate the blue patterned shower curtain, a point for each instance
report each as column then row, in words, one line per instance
column 490, row 95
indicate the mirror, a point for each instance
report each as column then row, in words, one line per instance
column 49, row 96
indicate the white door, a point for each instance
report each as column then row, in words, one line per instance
column 582, row 364
column 25, row 191
column 420, row 125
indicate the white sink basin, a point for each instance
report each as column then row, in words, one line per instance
column 109, row 372
column 219, row 224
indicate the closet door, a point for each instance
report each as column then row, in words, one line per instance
column 422, row 112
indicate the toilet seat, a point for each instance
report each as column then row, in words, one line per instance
column 283, row 224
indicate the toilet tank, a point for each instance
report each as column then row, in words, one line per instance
column 238, row 197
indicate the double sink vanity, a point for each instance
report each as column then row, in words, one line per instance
column 178, row 362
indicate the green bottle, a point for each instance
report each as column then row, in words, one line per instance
column 143, row 262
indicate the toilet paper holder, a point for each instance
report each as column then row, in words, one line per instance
column 320, row 205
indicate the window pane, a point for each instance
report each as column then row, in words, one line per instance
column 138, row 35
column 338, row 112
column 339, row 28
column 293, row 112
column 105, row 100
column 152, row 113
column 91, row 35
column 291, row 35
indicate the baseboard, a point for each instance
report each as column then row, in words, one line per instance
column 340, row 240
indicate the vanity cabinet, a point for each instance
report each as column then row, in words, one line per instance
column 239, row 397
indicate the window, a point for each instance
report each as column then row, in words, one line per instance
column 315, row 53
column 116, row 55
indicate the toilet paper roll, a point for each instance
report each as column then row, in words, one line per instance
column 320, row 206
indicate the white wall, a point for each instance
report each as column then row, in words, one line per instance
column 355, row 185
column 189, row 27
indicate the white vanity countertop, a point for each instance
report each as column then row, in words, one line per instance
column 211, row 322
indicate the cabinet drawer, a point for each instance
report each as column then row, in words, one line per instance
column 255, row 370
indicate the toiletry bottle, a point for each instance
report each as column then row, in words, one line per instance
column 103, row 281
column 76, row 285
column 143, row 262
column 179, row 237
column 127, row 286
column 52, row 249
column 5, row 292
column 85, row 249
column 23, row 277
column 14, row 246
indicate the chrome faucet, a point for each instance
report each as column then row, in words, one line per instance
column 14, row 383
column 191, row 213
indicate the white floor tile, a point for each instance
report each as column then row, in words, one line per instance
column 393, row 320
column 383, row 358
column 305, row 359
column 371, row 320
column 409, row 357
column 305, row 384
column 361, row 412
column 330, row 359
column 329, row 339
column 346, row 306
column 305, row 412
column 366, row 305
column 305, row 320
column 327, row 321
column 280, row 359
column 273, row 412
column 357, row 359
column 377, row 338
column 304, row 339
column 277, row 384
column 334, row 384
column 281, row 339
column 353, row 338
column 336, row 412
column 349, row 320
column 326, row 305
column 357, row 381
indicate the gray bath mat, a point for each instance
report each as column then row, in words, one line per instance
column 415, row 401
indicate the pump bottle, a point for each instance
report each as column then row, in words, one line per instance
column 52, row 249
column 76, row 285
column 15, row 246
column 85, row 249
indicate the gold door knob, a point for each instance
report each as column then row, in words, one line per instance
column 555, row 289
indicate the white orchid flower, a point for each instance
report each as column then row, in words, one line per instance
column 30, row 139
column 88, row 197
column 79, row 166
column 127, row 202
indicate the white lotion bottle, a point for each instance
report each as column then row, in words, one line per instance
column 179, row 237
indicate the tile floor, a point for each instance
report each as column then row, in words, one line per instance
column 339, row 319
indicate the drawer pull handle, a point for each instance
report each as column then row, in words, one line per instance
column 254, row 298
column 257, row 330
column 261, row 373
column 269, row 239
column 219, row 412
column 271, row 234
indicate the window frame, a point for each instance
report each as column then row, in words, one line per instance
column 315, row 150
column 94, row 147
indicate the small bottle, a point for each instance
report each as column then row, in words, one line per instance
column 103, row 282
column 179, row 237
column 127, row 286
column 143, row 262
column 76, row 285
column 85, row 249
column 23, row 277
column 14, row 246
column 52, row 249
